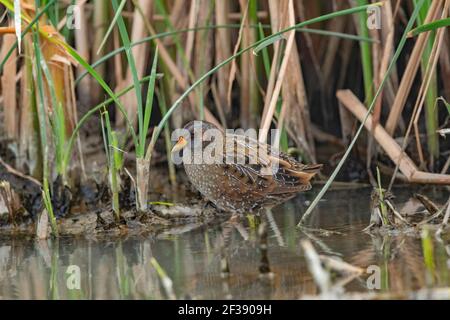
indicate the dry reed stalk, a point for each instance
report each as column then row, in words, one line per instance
column 142, row 177
column 266, row 121
column 219, row 105
column 42, row 226
column 410, row 72
column 10, row 198
column 193, row 13
column 444, row 62
column 222, row 42
column 71, row 101
column 237, row 16
column 280, row 123
column 345, row 53
column 163, row 52
column 332, row 46
column 293, row 91
column 70, row 110
column 178, row 14
column 7, row 30
column 446, row 216
column 19, row 174
column 232, row 68
column 82, row 47
column 388, row 42
column 310, row 45
column 387, row 38
column 347, row 122
column 138, row 31
column 297, row 114
column 180, row 79
column 231, row 16
column 380, row 65
column 389, row 145
column 430, row 70
column 446, row 165
column 322, row 277
column 248, row 84
column 274, row 21
column 203, row 61
column 272, row 77
column 8, row 85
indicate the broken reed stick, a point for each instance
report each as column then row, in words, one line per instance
column 320, row 275
column 389, row 145
column 7, row 30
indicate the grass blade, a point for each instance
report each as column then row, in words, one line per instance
column 148, row 106
column 111, row 26
column 432, row 26
column 137, row 86
column 267, row 43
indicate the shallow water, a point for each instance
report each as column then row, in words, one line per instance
column 191, row 256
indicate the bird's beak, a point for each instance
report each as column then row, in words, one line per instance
column 181, row 143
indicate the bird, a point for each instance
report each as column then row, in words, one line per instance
column 263, row 180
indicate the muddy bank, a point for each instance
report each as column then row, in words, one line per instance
column 86, row 209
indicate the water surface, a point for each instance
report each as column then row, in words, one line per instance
column 191, row 256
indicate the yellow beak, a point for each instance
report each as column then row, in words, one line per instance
column 181, row 143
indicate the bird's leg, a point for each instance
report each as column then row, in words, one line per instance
column 264, row 265
column 224, row 237
column 209, row 204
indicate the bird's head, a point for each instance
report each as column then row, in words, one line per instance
column 192, row 135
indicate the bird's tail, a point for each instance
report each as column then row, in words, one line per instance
column 307, row 172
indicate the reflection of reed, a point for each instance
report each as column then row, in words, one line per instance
column 191, row 256
column 401, row 258
column 107, row 272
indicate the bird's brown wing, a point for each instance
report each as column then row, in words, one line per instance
column 265, row 173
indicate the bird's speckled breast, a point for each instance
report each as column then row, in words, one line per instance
column 209, row 180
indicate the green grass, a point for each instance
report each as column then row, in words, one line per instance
column 57, row 123
column 366, row 54
column 167, row 139
column 384, row 213
column 131, row 63
column 432, row 26
column 115, row 160
column 140, row 150
column 42, row 115
column 428, row 254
